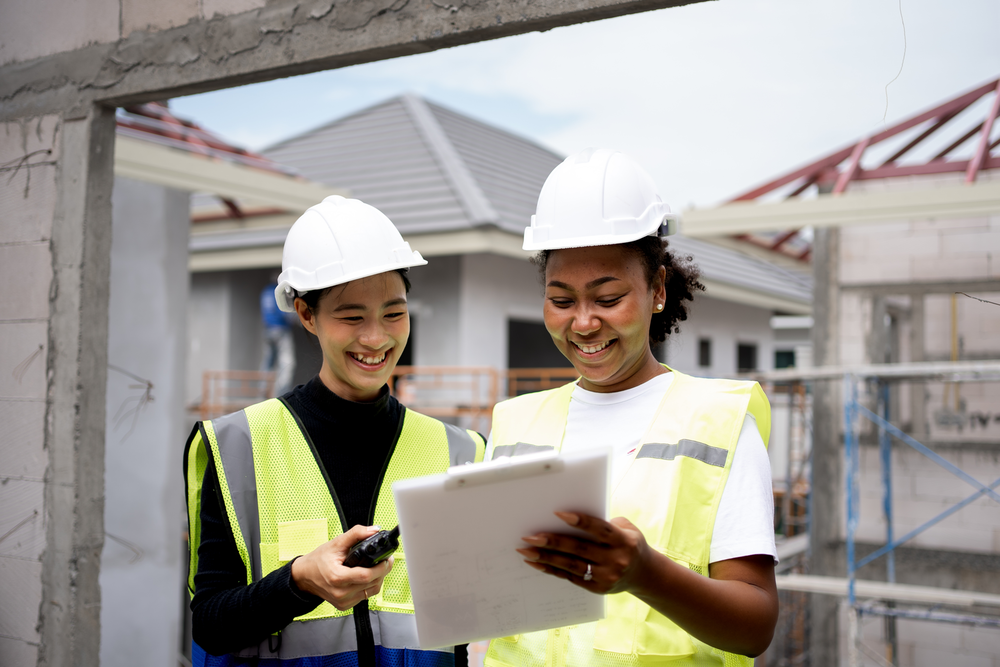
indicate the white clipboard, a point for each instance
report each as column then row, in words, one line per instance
column 459, row 533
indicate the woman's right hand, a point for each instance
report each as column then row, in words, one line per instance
column 322, row 571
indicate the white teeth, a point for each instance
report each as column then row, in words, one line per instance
column 591, row 349
column 371, row 361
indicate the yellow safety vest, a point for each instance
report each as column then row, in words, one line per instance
column 671, row 492
column 280, row 506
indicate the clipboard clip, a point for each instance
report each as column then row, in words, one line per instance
column 503, row 469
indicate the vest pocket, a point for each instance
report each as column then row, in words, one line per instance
column 395, row 593
column 634, row 628
column 296, row 538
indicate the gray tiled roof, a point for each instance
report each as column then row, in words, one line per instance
column 431, row 169
column 728, row 266
column 427, row 168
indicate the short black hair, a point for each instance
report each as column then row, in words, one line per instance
column 312, row 298
column 682, row 281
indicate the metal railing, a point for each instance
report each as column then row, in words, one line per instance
column 223, row 392
column 464, row 393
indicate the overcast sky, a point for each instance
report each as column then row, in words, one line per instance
column 712, row 98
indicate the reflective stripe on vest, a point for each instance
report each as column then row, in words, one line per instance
column 277, row 497
column 671, row 491
column 520, row 449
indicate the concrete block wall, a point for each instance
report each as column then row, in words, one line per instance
column 925, row 644
column 28, row 202
column 921, row 490
column 53, row 323
column 75, row 25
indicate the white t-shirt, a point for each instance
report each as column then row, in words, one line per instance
column 744, row 524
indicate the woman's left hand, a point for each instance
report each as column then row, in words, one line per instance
column 616, row 553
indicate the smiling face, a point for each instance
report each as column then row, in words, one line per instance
column 362, row 329
column 598, row 305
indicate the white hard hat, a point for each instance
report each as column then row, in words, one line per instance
column 336, row 241
column 597, row 197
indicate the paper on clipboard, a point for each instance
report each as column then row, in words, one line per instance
column 459, row 532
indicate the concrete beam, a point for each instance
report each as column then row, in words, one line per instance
column 881, row 590
column 283, row 38
column 925, row 287
column 957, row 201
column 182, row 170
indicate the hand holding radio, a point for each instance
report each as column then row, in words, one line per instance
column 324, row 572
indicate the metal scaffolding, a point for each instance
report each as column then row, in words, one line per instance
column 865, row 598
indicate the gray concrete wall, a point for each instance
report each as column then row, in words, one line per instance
column 726, row 324
column 27, row 199
column 208, row 329
column 493, row 290
column 55, row 243
column 434, row 305
column 142, row 568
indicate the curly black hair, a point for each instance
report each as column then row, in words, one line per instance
column 682, row 281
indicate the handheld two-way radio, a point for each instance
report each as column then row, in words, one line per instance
column 373, row 550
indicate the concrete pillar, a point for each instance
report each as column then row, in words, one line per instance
column 69, row 616
column 826, row 487
column 147, row 341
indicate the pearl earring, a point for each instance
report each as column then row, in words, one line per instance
column 659, row 306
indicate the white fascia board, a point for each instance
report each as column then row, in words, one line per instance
column 181, row 170
column 861, row 208
column 468, row 242
column 747, row 297
column 268, row 257
column 471, row 242
column 791, row 322
column 885, row 591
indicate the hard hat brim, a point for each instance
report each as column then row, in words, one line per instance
column 286, row 300
column 663, row 225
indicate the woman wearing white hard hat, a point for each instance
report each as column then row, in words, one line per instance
column 687, row 562
column 278, row 493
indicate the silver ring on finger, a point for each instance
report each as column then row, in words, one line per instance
column 589, row 574
column 366, row 593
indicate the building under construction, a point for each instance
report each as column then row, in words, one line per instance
column 903, row 557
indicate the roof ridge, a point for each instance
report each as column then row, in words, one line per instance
column 467, row 189
column 494, row 128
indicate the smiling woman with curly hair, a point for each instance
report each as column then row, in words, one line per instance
column 687, row 562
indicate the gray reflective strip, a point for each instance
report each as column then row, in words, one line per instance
column 692, row 449
column 392, row 629
column 461, row 446
column 232, row 433
column 520, row 449
column 304, row 639
column 329, row 636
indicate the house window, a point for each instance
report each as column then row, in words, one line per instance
column 406, row 358
column 784, row 358
column 704, row 352
column 529, row 345
column 746, row 357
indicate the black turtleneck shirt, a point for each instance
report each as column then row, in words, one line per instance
column 354, row 442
